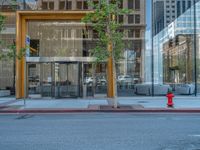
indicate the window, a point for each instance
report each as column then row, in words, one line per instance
column 79, row 5
column 189, row 4
column 68, row 5
column 95, row 34
column 130, row 4
column 130, row 19
column 121, row 18
column 51, row 5
column 85, row 5
column 137, row 33
column 130, row 33
column 178, row 8
column 183, row 6
column 62, row 5
column 44, row 5
column 137, row 19
column 137, row 4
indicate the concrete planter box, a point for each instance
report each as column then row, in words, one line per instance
column 4, row 93
column 185, row 89
column 146, row 89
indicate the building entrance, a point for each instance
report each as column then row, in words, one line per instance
column 53, row 80
column 67, row 81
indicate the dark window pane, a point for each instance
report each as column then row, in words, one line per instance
column 62, row 5
column 183, row 6
column 130, row 19
column 130, row 33
column 95, row 34
column 137, row 4
column 51, row 5
column 69, row 5
column 137, row 33
column 121, row 18
column 85, row 5
column 130, row 4
column 178, row 8
column 137, row 19
column 44, row 5
column 79, row 5
column 189, row 4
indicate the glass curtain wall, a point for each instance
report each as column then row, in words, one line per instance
column 197, row 42
column 175, row 47
column 64, row 44
column 60, row 44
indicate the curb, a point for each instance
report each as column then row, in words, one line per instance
column 100, row 111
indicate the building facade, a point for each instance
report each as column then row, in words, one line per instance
column 59, row 62
column 8, row 35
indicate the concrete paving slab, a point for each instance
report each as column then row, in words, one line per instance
column 148, row 104
column 58, row 103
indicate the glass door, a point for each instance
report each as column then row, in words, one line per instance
column 33, row 82
column 66, row 80
column 46, row 79
column 95, row 81
column 100, row 81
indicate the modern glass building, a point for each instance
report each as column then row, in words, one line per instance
column 176, row 52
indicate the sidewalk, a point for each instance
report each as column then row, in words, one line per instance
column 133, row 104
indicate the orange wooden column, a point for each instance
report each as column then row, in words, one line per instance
column 110, row 76
column 20, row 42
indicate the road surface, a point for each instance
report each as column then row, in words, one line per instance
column 100, row 131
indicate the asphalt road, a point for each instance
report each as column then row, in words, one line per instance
column 100, row 131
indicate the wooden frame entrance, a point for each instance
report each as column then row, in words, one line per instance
column 21, row 29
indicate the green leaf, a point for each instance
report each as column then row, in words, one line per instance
column 107, row 29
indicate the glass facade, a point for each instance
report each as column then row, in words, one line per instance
column 62, row 71
column 176, row 51
column 63, row 39
column 167, row 57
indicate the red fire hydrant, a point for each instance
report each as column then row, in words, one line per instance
column 170, row 99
